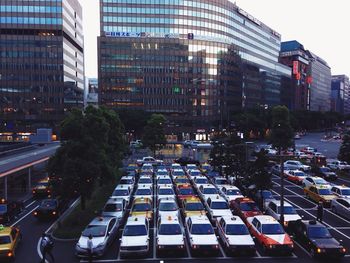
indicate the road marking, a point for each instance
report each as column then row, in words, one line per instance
column 19, row 220
column 30, row 204
column 341, row 179
column 39, row 250
column 331, row 227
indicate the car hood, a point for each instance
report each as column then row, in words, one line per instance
column 170, row 240
column 134, row 241
column 240, row 240
column 278, row 239
column 291, row 218
column 95, row 241
column 326, row 243
column 233, row 197
column 221, row 212
column 328, row 197
column 113, row 214
column 204, row 239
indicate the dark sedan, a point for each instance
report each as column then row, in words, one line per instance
column 183, row 161
column 50, row 208
column 325, row 173
column 316, row 238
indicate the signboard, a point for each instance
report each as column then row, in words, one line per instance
column 250, row 17
column 141, row 34
column 295, row 67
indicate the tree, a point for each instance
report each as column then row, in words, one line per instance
column 154, row 135
column 344, row 151
column 92, row 147
column 281, row 137
column 134, row 120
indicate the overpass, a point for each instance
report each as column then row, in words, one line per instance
column 11, row 164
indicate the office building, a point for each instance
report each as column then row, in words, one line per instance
column 196, row 62
column 92, row 92
column 340, row 96
column 41, row 63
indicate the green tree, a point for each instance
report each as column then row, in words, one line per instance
column 134, row 120
column 92, row 148
column 281, row 138
column 154, row 135
column 344, row 151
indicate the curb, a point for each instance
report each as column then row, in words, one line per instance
column 61, row 219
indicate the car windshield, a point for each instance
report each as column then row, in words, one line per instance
column 325, row 191
column 143, row 192
column 233, row 192
column 288, row 210
column 159, row 173
column 182, row 180
column 345, row 192
column 194, row 206
column 42, row 184
column 202, row 229
column 249, row 206
column 237, row 230
column 221, row 181
column 325, row 169
column 126, row 181
column 320, row 181
column 131, row 231
column 142, row 207
column 272, row 229
column 219, row 205
column 186, row 191
column 178, row 173
column 5, row 240
column 3, row 209
column 120, row 193
column 201, row 181
column 145, row 181
column 195, row 173
column 299, row 174
column 166, row 192
column 113, row 207
column 210, row 191
column 166, row 206
column 48, row 203
column 169, row 229
column 164, row 181
column 318, row 232
column 95, row 231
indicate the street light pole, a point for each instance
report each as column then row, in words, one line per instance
column 282, row 186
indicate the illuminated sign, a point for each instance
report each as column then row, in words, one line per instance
column 295, row 67
column 141, row 34
column 250, row 17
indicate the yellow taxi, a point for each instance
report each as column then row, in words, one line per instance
column 42, row 188
column 9, row 240
column 193, row 207
column 142, row 206
column 320, row 194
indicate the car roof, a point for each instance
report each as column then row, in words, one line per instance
column 244, row 200
column 230, row 187
column 265, row 219
column 167, row 200
column 312, row 223
column 278, row 203
column 165, row 186
column 341, row 187
column 5, row 230
column 193, row 199
column 101, row 220
column 207, row 186
column 122, row 187
column 112, row 200
column 136, row 220
column 218, row 198
column 142, row 200
column 143, row 186
column 200, row 219
column 167, row 219
column 233, row 220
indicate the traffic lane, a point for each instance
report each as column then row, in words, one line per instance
column 64, row 251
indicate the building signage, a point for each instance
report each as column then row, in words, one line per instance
column 140, row 34
column 295, row 67
column 250, row 17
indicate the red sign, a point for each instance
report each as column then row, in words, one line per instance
column 298, row 76
column 295, row 67
column 309, row 80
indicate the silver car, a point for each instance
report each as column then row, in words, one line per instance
column 103, row 231
column 341, row 206
column 115, row 207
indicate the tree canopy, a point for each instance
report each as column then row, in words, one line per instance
column 344, row 151
column 154, row 134
column 282, row 133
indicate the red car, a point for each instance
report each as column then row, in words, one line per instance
column 185, row 191
column 244, row 208
column 295, row 176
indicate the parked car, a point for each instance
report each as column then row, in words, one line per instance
column 115, row 207
column 183, row 161
column 338, row 165
column 295, row 176
column 325, row 172
column 9, row 210
column 296, row 165
column 150, row 160
column 341, row 191
column 103, row 231
column 316, row 239
column 290, row 214
column 341, row 206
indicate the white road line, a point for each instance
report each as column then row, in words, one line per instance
column 342, row 228
column 331, row 227
column 341, row 179
column 30, row 204
column 29, row 213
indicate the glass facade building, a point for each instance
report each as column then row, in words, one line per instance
column 194, row 61
column 41, row 62
column 340, row 96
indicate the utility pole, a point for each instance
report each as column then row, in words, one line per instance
column 282, row 186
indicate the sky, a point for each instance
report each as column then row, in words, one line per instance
column 321, row 26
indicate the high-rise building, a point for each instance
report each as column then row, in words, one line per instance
column 194, row 61
column 92, row 92
column 296, row 57
column 320, row 95
column 340, row 97
column 41, row 62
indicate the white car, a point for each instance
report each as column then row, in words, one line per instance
column 177, row 172
column 127, row 180
column 341, row 191
column 164, row 180
column 115, row 207
column 145, row 180
column 341, row 206
column 170, row 235
column 219, row 181
column 296, row 165
column 191, row 167
column 122, row 191
column 315, row 181
column 165, row 191
column 290, row 214
column 144, row 191
column 135, row 237
column 150, row 160
column 147, row 168
column 162, row 172
column 231, row 192
column 218, row 207
column 201, row 235
column 208, row 191
column 175, row 166
column 103, row 231
column 338, row 165
column 194, row 173
column 168, row 207
column 200, row 180
column 235, row 235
